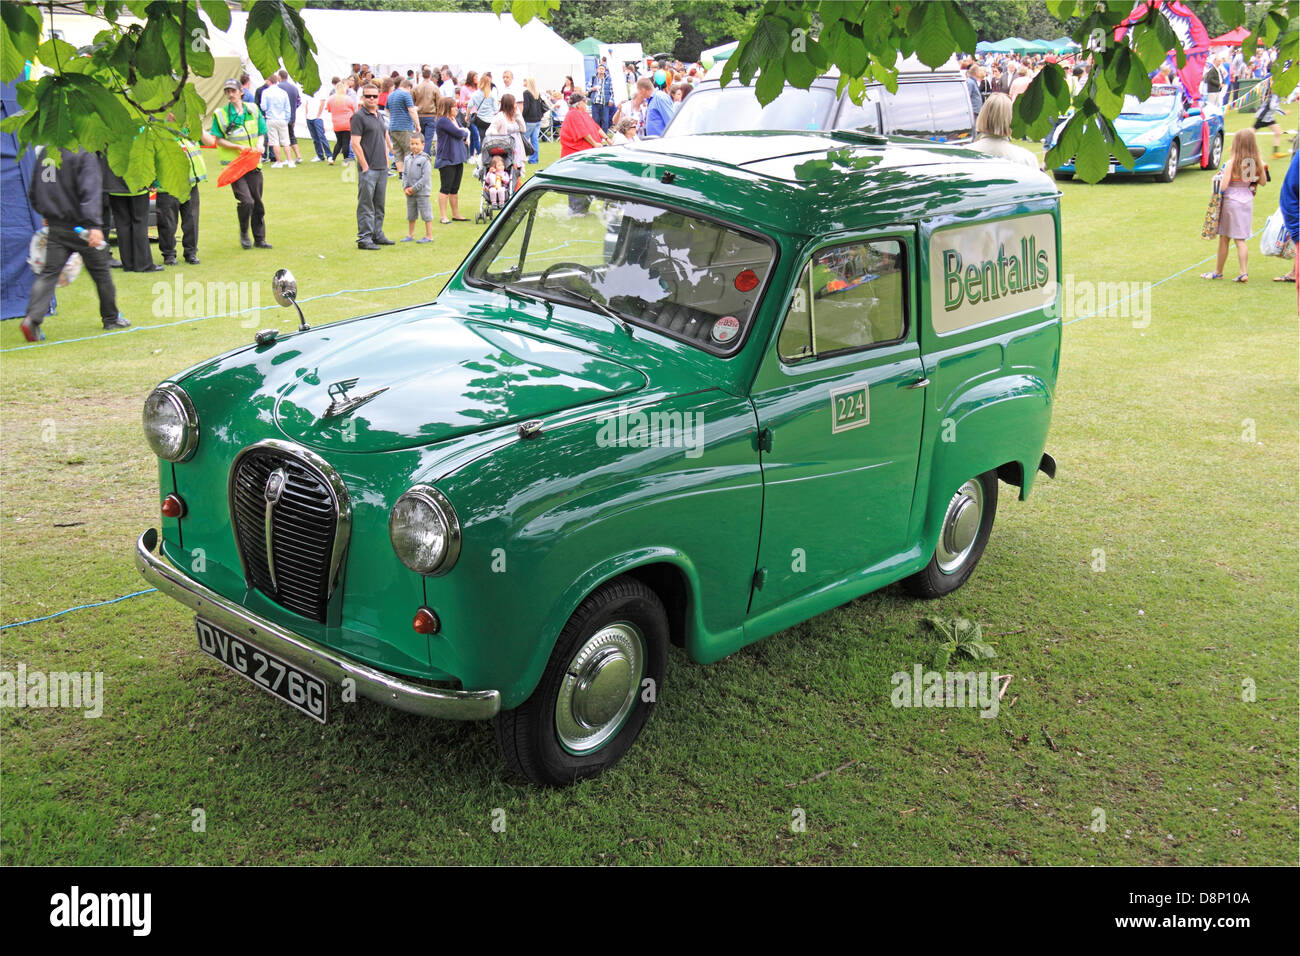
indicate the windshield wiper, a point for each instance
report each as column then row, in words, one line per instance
column 595, row 304
column 514, row 289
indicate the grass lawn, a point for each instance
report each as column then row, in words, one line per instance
column 1176, row 436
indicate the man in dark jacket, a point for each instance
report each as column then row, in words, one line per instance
column 69, row 197
column 130, row 209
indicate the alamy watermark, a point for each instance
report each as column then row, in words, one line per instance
column 637, row 429
column 178, row 299
column 1085, row 298
column 128, row 910
column 78, row 690
column 922, row 688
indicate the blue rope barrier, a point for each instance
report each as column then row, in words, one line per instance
column 79, row 607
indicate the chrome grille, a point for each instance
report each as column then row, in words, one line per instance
column 308, row 525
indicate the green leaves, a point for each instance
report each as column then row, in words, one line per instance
column 1232, row 12
column 19, row 38
column 525, row 10
column 961, row 638
column 276, row 33
column 69, row 111
column 171, row 165
column 151, row 56
column 129, row 95
column 1277, row 28
column 1095, row 143
column 1169, row 38
column 194, row 36
column 928, row 24
column 1288, row 48
column 1150, row 48
column 1046, row 98
column 217, row 12
column 1067, row 142
column 765, row 48
column 848, row 51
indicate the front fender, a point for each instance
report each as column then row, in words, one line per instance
column 547, row 520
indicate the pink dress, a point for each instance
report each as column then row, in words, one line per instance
column 1237, row 210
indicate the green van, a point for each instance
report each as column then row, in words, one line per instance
column 693, row 391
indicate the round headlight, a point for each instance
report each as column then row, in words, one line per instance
column 170, row 424
column 424, row 530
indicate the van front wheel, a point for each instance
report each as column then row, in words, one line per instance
column 597, row 691
column 967, row 523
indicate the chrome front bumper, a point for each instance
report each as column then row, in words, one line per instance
column 389, row 689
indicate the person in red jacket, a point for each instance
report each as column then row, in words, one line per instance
column 578, row 132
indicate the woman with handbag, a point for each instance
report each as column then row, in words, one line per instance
column 1236, row 184
column 449, row 160
column 534, row 109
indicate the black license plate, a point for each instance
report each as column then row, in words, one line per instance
column 295, row 687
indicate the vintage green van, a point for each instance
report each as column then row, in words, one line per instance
column 694, row 392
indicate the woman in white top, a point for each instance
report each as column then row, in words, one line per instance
column 510, row 122
column 993, row 132
column 624, row 131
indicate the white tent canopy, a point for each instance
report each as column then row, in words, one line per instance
column 400, row 40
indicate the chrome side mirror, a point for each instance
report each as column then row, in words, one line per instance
column 284, row 286
column 285, row 289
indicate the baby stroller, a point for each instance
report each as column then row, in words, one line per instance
column 494, row 146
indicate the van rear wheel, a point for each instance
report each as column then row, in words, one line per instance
column 967, row 523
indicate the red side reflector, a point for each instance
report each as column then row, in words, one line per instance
column 173, row 507
column 747, row 281
column 426, row 622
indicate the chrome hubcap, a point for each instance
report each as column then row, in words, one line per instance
column 600, row 687
column 961, row 524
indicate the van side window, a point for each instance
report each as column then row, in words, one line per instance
column 849, row 297
column 795, row 341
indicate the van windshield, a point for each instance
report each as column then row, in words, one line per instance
column 636, row 263
column 940, row 112
column 722, row 110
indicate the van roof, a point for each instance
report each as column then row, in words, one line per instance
column 798, row 182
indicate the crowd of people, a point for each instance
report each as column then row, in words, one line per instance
column 380, row 123
column 409, row 125
column 1223, row 79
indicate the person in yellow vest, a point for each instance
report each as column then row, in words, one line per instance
column 170, row 209
column 238, row 126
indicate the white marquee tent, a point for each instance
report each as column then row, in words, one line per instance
column 400, row 40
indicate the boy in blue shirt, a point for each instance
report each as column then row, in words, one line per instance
column 417, row 183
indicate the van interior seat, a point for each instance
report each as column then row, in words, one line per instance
column 681, row 320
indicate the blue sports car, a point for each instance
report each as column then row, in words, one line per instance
column 1162, row 135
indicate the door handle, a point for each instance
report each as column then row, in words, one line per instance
column 919, row 383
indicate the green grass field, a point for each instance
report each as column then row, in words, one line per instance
column 1176, row 435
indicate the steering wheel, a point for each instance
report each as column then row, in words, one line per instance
column 587, row 271
column 669, row 271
